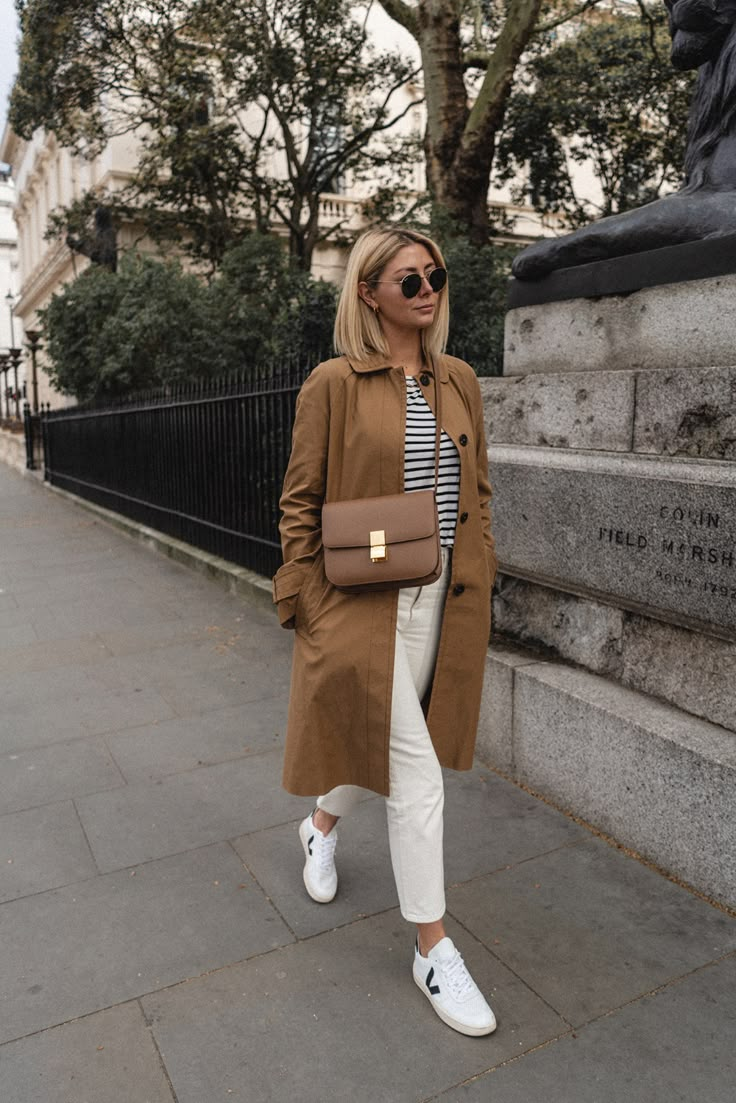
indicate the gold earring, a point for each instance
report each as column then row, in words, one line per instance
column 375, row 309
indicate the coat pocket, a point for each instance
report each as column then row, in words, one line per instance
column 308, row 595
column 286, row 584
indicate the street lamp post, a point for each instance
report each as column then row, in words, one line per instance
column 10, row 300
column 34, row 338
column 4, row 366
column 15, row 355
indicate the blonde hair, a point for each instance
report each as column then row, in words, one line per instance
column 358, row 333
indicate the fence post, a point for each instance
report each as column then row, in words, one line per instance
column 28, row 428
column 43, row 418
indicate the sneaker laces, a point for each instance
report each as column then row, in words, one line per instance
column 325, row 850
column 458, row 979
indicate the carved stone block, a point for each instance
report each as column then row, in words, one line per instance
column 679, row 325
column 655, row 536
column 591, row 410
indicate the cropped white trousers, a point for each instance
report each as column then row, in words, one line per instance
column 415, row 804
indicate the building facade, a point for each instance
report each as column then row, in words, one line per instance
column 47, row 176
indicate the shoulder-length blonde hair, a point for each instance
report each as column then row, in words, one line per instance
column 358, row 333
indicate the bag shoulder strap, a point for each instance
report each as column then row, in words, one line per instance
column 438, row 423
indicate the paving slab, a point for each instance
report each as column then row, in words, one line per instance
column 240, row 685
column 152, row 819
column 110, row 939
column 42, row 848
column 677, row 1045
column 109, row 1057
column 589, row 928
column 44, row 654
column 366, row 883
column 491, row 825
column 335, row 1017
column 16, row 635
column 220, row 735
column 43, row 720
column 43, row 775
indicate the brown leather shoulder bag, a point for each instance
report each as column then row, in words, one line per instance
column 388, row 542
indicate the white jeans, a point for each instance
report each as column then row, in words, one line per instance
column 415, row 804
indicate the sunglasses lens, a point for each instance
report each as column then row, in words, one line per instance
column 437, row 279
column 410, row 285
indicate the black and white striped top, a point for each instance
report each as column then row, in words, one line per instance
column 419, row 460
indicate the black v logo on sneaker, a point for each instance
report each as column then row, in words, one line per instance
column 433, row 988
column 309, row 844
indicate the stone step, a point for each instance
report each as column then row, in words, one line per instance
column 653, row 777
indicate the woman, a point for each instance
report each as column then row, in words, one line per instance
column 386, row 685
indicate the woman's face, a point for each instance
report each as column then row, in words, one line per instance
column 394, row 309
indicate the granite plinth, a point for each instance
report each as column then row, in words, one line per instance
column 694, row 671
column 595, row 410
column 680, row 325
column 691, row 412
column 688, row 412
column 653, row 777
column 655, row 536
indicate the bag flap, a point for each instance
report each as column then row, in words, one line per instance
column 402, row 517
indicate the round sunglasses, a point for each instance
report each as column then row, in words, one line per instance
column 411, row 284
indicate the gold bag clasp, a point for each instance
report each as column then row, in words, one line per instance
column 378, row 546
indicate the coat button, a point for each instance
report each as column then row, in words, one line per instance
column 459, row 589
column 463, row 518
column 424, row 379
column 463, row 439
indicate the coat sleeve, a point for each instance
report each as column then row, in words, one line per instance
column 303, row 494
column 484, row 486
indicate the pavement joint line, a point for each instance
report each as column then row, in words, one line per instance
column 131, row 868
column 58, row 801
column 502, row 1064
column 613, row 843
column 185, row 770
column 149, row 1024
column 574, row 1029
column 651, row 992
column 506, row 965
column 86, row 735
column 520, row 862
column 184, row 715
column 266, row 897
column 159, row 991
column 86, row 838
column 155, row 1041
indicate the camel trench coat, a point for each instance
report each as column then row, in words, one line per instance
column 348, row 442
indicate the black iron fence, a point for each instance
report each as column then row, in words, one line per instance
column 201, row 462
column 33, row 428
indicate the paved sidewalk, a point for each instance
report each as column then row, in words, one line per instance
column 156, row 942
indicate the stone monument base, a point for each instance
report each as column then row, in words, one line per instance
column 652, row 776
column 611, row 679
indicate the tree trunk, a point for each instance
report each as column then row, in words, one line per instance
column 303, row 236
column 459, row 142
column 447, row 116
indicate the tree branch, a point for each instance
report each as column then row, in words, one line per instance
column 487, row 111
column 542, row 28
column 476, row 58
column 402, row 13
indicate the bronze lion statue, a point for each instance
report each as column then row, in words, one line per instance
column 703, row 37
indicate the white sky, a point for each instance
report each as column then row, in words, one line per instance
column 8, row 55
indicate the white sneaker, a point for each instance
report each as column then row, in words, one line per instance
column 320, row 875
column 443, row 977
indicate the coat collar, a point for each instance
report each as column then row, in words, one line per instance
column 380, row 363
